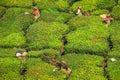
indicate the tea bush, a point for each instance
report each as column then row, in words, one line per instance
column 22, row 22
column 85, row 4
column 2, row 11
column 10, row 16
column 46, row 35
column 114, row 31
column 100, row 11
column 20, row 3
column 87, row 73
column 84, row 21
column 92, row 39
column 58, row 4
column 47, row 4
column 14, row 39
column 114, row 53
column 116, row 12
column 54, row 16
column 113, row 69
column 9, row 69
column 14, row 20
column 42, row 52
column 84, row 66
column 93, row 5
column 41, row 70
column 105, row 4
column 62, row 5
column 7, row 52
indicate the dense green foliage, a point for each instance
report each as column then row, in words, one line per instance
column 39, row 53
column 85, row 21
column 61, row 5
column 85, row 66
column 14, row 39
column 84, row 42
column 87, row 40
column 21, row 3
column 90, row 35
column 114, row 30
column 7, row 52
column 116, row 12
column 54, row 16
column 114, row 69
column 43, row 72
column 47, row 4
column 9, row 69
column 99, row 12
column 91, row 5
column 46, row 35
column 87, row 5
column 114, row 53
column 12, row 34
column 105, row 4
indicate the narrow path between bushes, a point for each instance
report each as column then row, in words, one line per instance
column 106, row 58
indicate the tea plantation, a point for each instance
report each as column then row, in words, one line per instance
column 88, row 45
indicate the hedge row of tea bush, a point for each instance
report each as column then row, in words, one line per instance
column 115, row 34
column 116, row 12
column 19, row 3
column 12, row 17
column 37, row 69
column 49, row 16
column 85, row 66
column 13, row 25
column 46, row 35
column 9, row 69
column 38, row 54
column 90, row 5
column 90, row 36
column 7, row 52
column 113, row 69
column 99, row 12
column 62, row 5
column 114, row 53
column 14, row 39
column 84, row 21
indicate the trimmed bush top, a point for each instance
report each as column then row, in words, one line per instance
column 115, row 52
column 84, row 21
column 116, row 12
column 14, row 39
column 41, row 52
column 93, row 39
column 58, row 4
column 99, row 12
column 91, row 5
column 113, row 68
column 85, row 66
column 43, row 35
column 9, row 69
column 20, row 3
column 54, row 16
column 115, row 33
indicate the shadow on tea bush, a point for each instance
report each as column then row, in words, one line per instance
column 2, row 11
